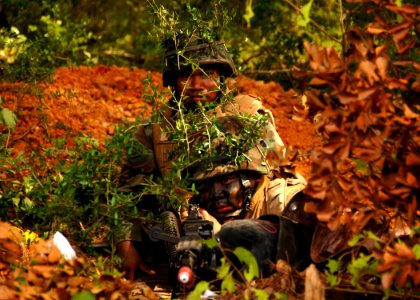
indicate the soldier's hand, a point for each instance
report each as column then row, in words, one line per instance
column 216, row 225
column 131, row 260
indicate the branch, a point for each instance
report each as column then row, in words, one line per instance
column 316, row 25
column 269, row 72
column 342, row 27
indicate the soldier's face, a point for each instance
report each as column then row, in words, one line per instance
column 223, row 196
column 202, row 85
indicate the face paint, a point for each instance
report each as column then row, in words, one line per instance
column 223, row 196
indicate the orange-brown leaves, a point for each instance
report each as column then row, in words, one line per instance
column 400, row 266
column 45, row 275
column 370, row 159
column 10, row 243
column 323, row 60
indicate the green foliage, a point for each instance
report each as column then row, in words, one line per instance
column 208, row 20
column 416, row 250
column 281, row 296
column 303, row 20
column 357, row 269
column 7, row 117
column 79, row 196
column 246, row 257
column 225, row 274
column 228, row 284
column 84, row 295
column 249, row 13
column 199, row 289
column 12, row 44
column 333, row 267
column 358, row 266
column 20, row 58
column 265, row 37
column 49, row 40
column 261, row 294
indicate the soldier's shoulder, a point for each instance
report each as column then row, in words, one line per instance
column 248, row 103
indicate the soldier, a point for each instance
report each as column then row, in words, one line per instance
column 196, row 74
column 258, row 203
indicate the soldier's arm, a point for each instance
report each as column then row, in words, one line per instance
column 140, row 163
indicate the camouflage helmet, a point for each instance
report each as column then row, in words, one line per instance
column 196, row 51
column 262, row 155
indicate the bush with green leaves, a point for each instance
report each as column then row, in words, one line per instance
column 78, row 196
column 265, row 38
column 33, row 53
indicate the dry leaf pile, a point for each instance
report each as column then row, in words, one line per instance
column 38, row 271
column 366, row 176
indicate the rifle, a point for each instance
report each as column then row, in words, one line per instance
column 193, row 259
column 190, row 259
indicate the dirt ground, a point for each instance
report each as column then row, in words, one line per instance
column 93, row 100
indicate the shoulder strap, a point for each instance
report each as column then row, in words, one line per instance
column 162, row 148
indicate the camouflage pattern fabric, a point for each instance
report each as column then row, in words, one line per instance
column 195, row 53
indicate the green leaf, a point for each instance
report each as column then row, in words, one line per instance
column 356, row 266
column 228, row 284
column 281, row 296
column 224, row 269
column 16, row 201
column 416, row 250
column 332, row 279
column 199, row 289
column 8, row 117
column 375, row 238
column 304, row 19
column 355, row 240
column 32, row 28
column 261, row 294
column 211, row 243
column 362, row 166
column 28, row 202
column 249, row 13
column 83, row 182
column 333, row 265
column 84, row 295
column 246, row 257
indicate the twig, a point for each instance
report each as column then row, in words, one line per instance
column 316, row 25
column 344, row 42
column 252, row 57
column 367, row 291
column 270, row 72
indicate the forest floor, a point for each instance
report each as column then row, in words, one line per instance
column 93, row 100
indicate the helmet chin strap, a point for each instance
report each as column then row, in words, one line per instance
column 246, row 184
column 241, row 212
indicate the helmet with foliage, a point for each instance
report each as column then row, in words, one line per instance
column 242, row 143
column 182, row 53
